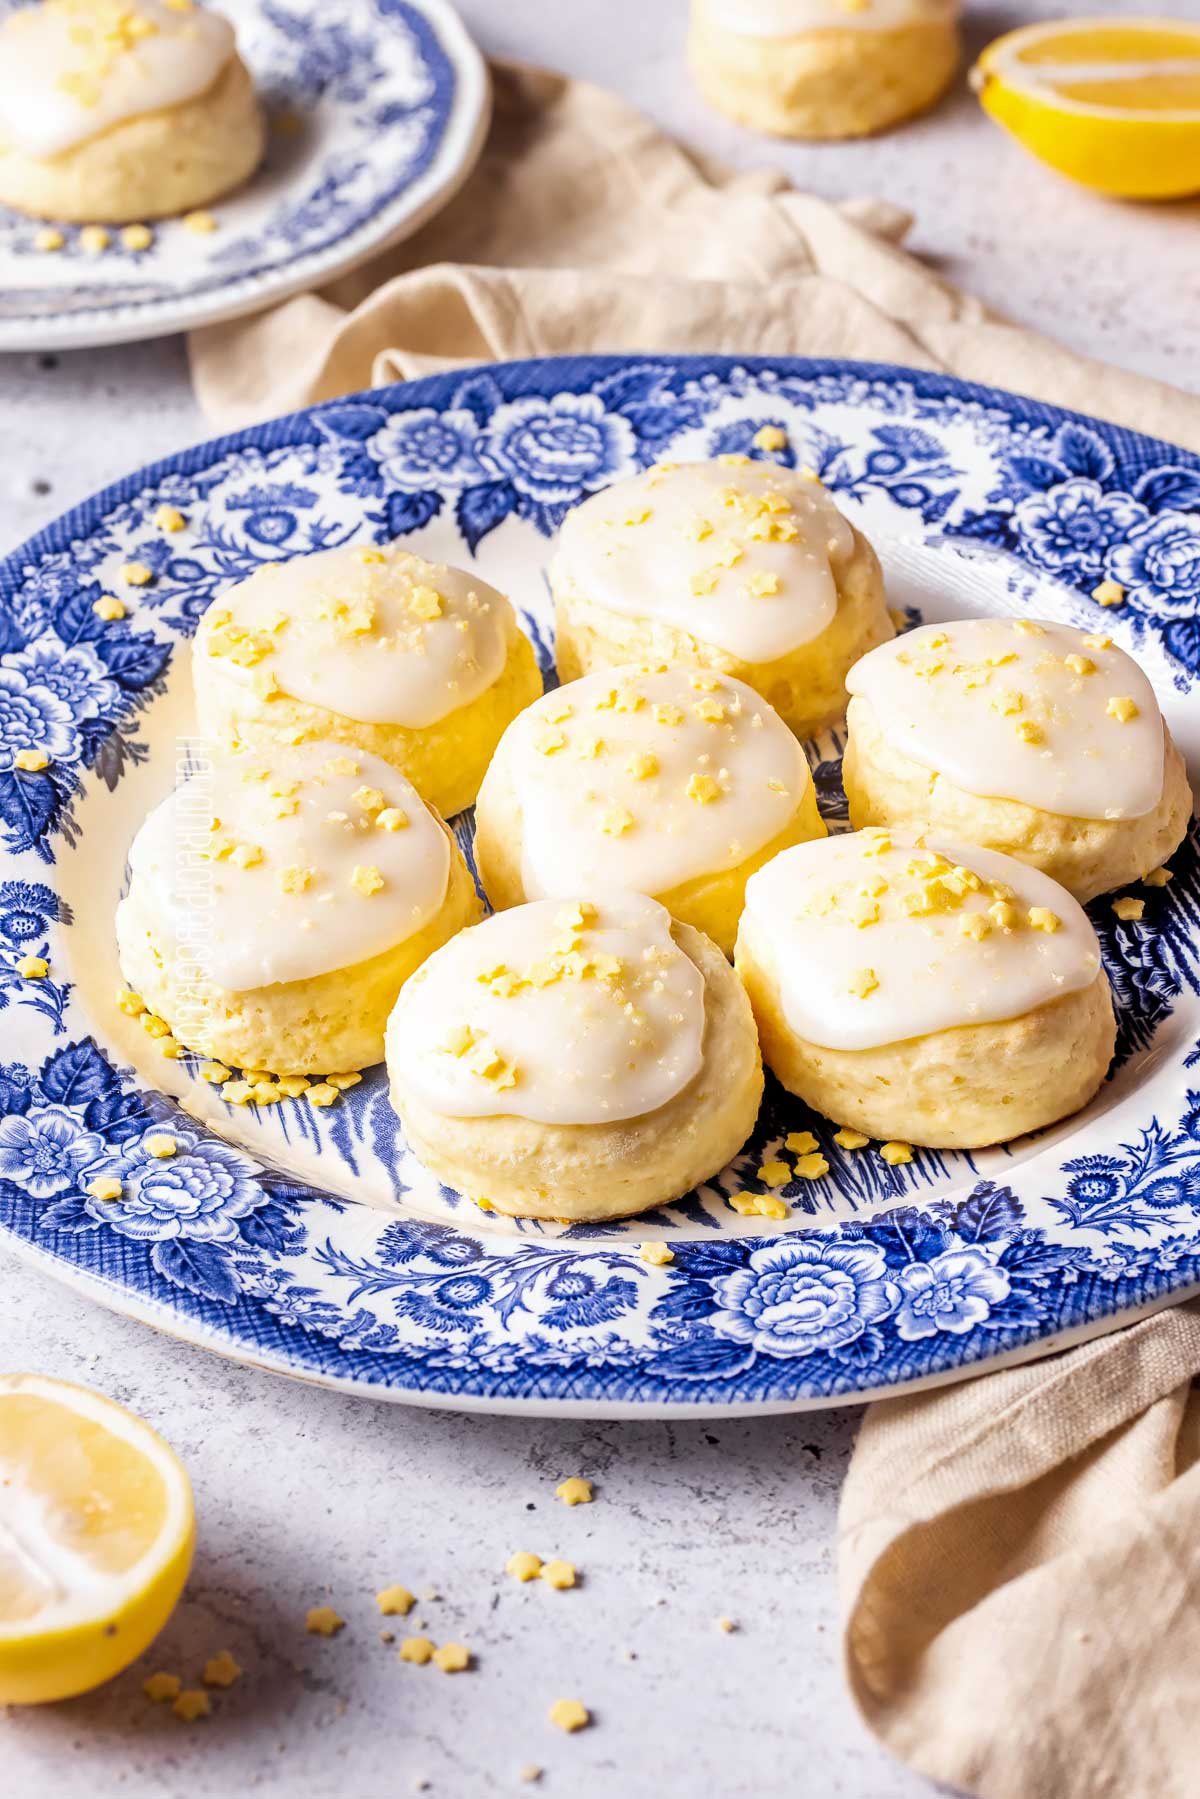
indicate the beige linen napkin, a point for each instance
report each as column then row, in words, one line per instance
column 584, row 228
column 1018, row 1553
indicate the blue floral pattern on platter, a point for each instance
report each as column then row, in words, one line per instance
column 251, row 1238
column 376, row 107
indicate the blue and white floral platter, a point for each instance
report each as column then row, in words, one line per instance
column 311, row 1242
column 378, row 110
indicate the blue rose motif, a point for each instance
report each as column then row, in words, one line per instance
column 798, row 1297
column 1160, row 566
column 556, row 450
column 45, row 1151
column 954, row 1292
column 199, row 1193
column 32, row 717
column 269, row 512
column 74, row 675
column 421, row 449
column 1074, row 526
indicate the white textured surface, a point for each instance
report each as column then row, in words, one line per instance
column 300, row 1490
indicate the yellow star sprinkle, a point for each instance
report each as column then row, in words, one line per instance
column 395, row 1602
column 220, row 1670
column 48, row 239
column 132, row 1004
column 366, row 879
column 191, row 1704
column 94, row 240
column 1109, row 593
column 643, row 765
column 1129, row 909
column 108, row 607
column 811, row 1168
column 759, row 1205
column 295, row 879
column 657, row 1254
column 524, row 1565
column 246, row 855
column 863, row 983
column 617, row 821
column 763, row 585
column 1099, row 640
column 154, row 1026
column 416, row 1649
column 216, row 1072
column 158, row 1687
column 711, row 711
column 201, row 223
column 105, row 1187
column 704, row 583
column 570, row 1715
column 452, row 1658
column 1122, row 708
column 323, row 1621
column 291, row 1086
column 976, row 925
column 850, row 1139
column 668, row 715
column 801, row 1143
column 1030, row 732
column 169, row 518
column 769, row 437
column 321, row 1094
column 896, row 1153
column 425, row 602
column 558, row 1574
column 32, row 968
column 1004, row 915
column 1042, row 919
column 703, row 789
column 574, row 1491
column 368, row 798
column 1158, row 877
column 1080, row 665
column 160, row 1144
column 1028, row 627
column 775, row 1174
column 136, row 574
column 548, row 743
column 32, row 762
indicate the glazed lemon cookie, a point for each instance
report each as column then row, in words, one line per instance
column 575, row 1060
column 735, row 565
column 938, row 995
column 122, row 109
column 277, row 905
column 1035, row 739
column 823, row 68
column 421, row 664
column 675, row 782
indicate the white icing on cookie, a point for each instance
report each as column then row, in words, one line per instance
column 281, row 868
column 742, row 554
column 788, row 18
column 1020, row 710
column 875, row 941
column 70, row 69
column 562, row 1012
column 647, row 780
column 373, row 633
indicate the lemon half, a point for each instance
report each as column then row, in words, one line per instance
column 96, row 1536
column 1113, row 103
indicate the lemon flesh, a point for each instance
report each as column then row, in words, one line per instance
column 1114, row 104
column 96, row 1536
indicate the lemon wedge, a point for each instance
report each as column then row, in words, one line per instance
column 1114, row 103
column 96, row 1534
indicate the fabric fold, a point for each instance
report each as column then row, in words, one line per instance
column 1020, row 1572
